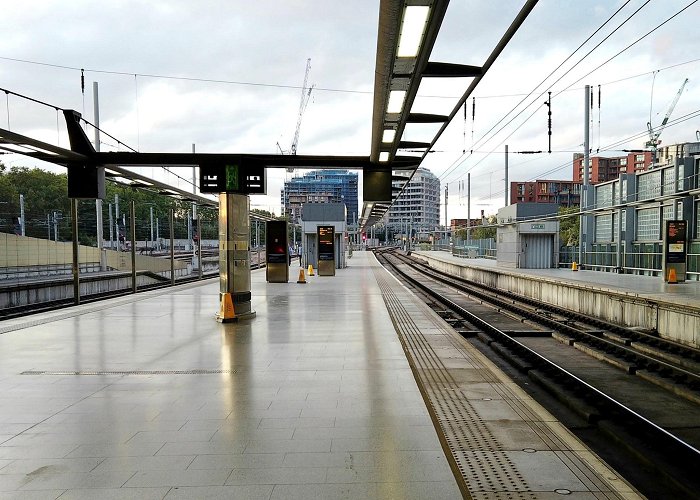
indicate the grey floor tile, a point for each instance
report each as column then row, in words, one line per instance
column 202, row 477
column 36, row 451
column 202, row 448
column 51, row 465
column 287, row 423
column 242, row 461
column 115, row 450
column 232, row 492
column 115, row 494
column 417, row 490
column 170, row 436
column 70, row 480
column 283, row 475
column 326, row 491
column 288, row 445
column 134, row 464
column 31, row 495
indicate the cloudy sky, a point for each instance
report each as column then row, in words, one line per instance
column 227, row 76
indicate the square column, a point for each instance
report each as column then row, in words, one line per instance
column 234, row 258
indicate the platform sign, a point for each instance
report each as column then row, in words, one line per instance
column 326, row 250
column 676, row 233
column 675, row 250
column 238, row 178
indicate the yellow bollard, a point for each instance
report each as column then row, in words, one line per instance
column 302, row 278
column 311, row 270
column 574, row 266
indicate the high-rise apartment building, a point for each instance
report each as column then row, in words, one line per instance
column 608, row 169
column 419, row 204
column 321, row 186
column 563, row 193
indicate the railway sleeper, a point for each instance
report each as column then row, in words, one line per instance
column 513, row 358
column 615, row 337
column 602, row 356
column 565, row 394
column 564, row 339
column 679, row 389
column 683, row 361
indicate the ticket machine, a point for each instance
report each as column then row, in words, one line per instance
column 325, row 235
column 277, row 252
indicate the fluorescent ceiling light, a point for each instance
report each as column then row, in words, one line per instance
column 412, row 30
column 396, row 98
column 389, row 135
column 384, row 156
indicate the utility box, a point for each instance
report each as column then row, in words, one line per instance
column 525, row 239
column 277, row 252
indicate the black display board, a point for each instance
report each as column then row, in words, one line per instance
column 237, row 178
column 676, row 241
column 326, row 242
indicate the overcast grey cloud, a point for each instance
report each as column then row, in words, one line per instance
column 264, row 47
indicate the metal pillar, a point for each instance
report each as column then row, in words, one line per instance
column 21, row 214
column 469, row 206
column 582, row 239
column 172, row 246
column 506, row 179
column 133, row 245
column 76, row 256
column 234, row 255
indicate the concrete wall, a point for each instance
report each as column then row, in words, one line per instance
column 673, row 321
column 21, row 253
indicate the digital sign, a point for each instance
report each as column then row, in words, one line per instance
column 326, row 248
column 237, row 178
column 676, row 231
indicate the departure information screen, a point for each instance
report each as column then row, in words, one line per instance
column 232, row 178
column 676, row 232
column 326, row 236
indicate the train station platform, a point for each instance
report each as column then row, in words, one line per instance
column 344, row 387
column 647, row 302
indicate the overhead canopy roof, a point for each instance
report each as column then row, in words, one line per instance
column 398, row 74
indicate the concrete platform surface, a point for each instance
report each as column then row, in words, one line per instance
column 147, row 396
column 686, row 293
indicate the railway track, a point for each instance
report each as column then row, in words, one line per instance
column 641, row 413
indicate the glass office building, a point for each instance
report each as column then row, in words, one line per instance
column 321, row 186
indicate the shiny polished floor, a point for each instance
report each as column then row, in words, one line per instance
column 148, row 397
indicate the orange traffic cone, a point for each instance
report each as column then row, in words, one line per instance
column 672, row 280
column 311, row 270
column 302, row 278
column 226, row 310
column 574, row 266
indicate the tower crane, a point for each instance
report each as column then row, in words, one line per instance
column 654, row 133
column 305, row 96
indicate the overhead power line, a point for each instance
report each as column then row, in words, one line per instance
column 460, row 161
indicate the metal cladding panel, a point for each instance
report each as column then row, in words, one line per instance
column 376, row 186
column 537, row 251
column 86, row 182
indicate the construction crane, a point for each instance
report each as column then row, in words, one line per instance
column 654, row 133
column 305, row 96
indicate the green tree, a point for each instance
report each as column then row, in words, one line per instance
column 569, row 226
